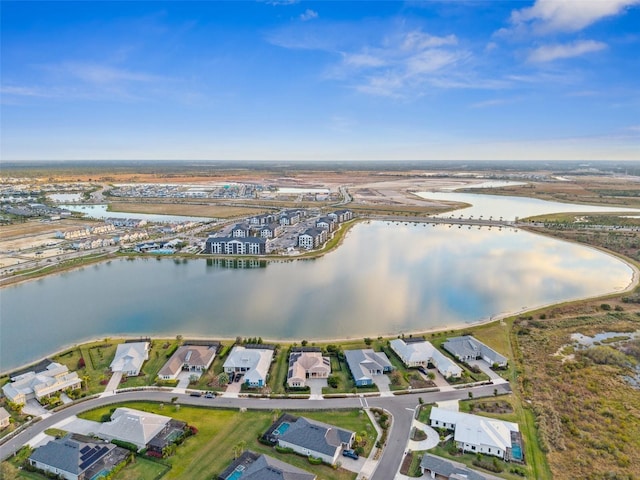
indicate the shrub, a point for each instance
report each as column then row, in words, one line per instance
column 128, row 445
column 605, row 306
column 314, row 460
column 280, row 449
column 81, row 363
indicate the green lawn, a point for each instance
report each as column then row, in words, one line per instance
column 142, row 469
column 279, row 371
column 211, row 450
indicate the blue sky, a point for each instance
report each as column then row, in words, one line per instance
column 460, row 80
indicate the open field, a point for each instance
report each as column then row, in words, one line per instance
column 183, row 208
column 588, row 416
column 211, row 449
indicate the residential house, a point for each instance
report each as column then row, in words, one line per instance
column 326, row 223
column 366, row 364
column 252, row 466
column 189, row 358
column 76, row 457
column 236, row 246
column 420, row 353
column 476, row 434
column 467, row 348
column 312, row 238
column 439, row 468
column 270, row 231
column 5, row 418
column 241, row 230
column 305, row 364
column 129, row 358
column 311, row 438
column 133, row 426
column 252, row 362
column 53, row 379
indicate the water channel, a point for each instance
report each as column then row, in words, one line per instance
column 386, row 278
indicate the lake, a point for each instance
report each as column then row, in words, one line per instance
column 508, row 208
column 386, row 278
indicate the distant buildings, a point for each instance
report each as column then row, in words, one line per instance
column 419, row 353
column 304, row 364
column 367, row 364
column 252, row 363
column 341, row 216
column 129, row 358
column 241, row 230
column 55, row 378
column 467, row 348
column 270, row 231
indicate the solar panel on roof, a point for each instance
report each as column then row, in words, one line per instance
column 93, row 458
column 88, row 452
column 85, row 449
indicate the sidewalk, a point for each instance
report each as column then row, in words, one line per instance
column 370, row 464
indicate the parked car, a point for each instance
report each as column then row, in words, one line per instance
column 350, row 454
column 231, row 377
column 423, row 370
column 210, row 395
column 196, row 394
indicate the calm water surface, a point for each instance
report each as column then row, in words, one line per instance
column 509, row 208
column 385, row 278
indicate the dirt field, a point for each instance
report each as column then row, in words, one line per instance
column 36, row 227
column 212, row 211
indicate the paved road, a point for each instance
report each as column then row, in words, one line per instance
column 401, row 407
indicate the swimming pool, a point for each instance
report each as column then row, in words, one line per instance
column 283, row 427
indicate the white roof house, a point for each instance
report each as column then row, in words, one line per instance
column 54, row 378
column 416, row 354
column 253, row 362
column 133, row 426
column 130, row 357
column 473, row 433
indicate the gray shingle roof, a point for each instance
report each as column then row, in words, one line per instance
column 71, row 455
column 317, row 436
column 447, row 469
column 468, row 346
column 263, row 467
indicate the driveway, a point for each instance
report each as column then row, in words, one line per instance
column 486, row 368
column 316, row 385
column 351, row 464
column 383, row 382
column 183, row 379
column 33, row 408
column 114, row 382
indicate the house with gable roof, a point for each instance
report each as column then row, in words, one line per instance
column 477, row 434
column 419, row 353
column 467, row 348
column 129, row 358
column 52, row 379
column 366, row 364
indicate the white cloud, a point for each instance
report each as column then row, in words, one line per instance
column 489, row 103
column 547, row 16
column 21, row 91
column 549, row 53
column 308, row 15
column 103, row 74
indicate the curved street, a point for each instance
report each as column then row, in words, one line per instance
column 401, row 407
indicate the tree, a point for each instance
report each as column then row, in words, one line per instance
column 304, row 343
column 332, row 381
column 239, row 448
column 223, row 378
column 367, row 341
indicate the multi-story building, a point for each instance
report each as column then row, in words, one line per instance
column 236, row 246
